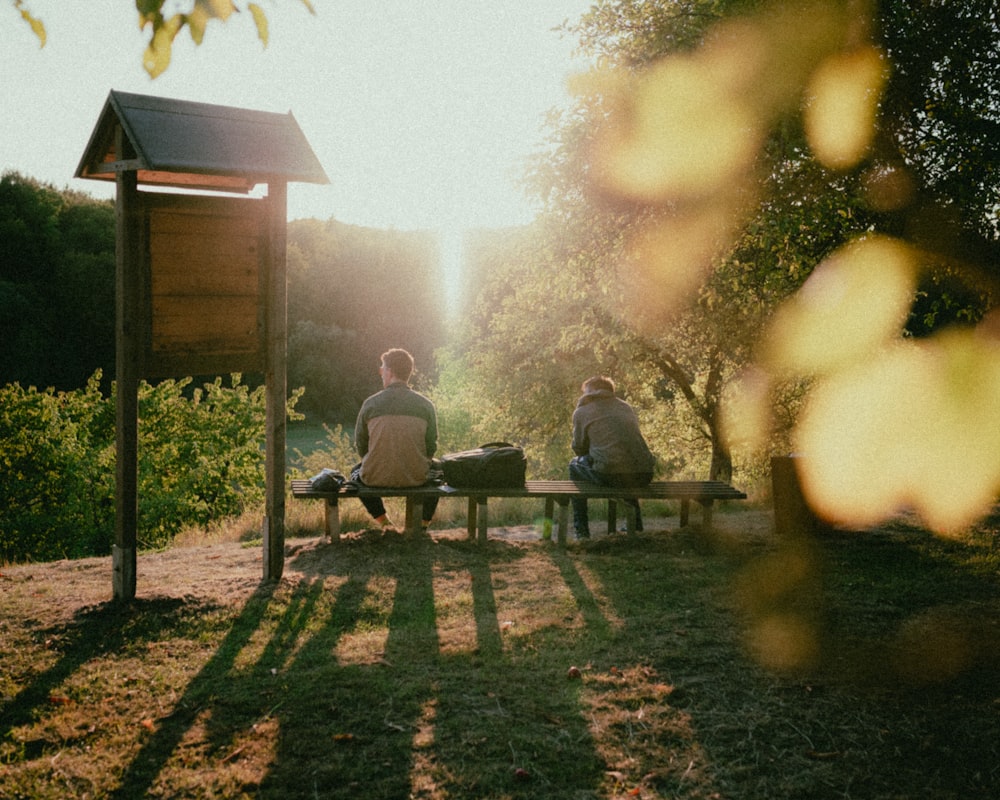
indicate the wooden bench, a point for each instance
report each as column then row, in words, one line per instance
column 560, row 493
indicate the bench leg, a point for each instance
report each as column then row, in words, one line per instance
column 482, row 518
column 706, row 516
column 412, row 524
column 331, row 519
column 631, row 512
column 685, row 512
column 471, row 518
column 547, row 519
column 563, row 521
column 613, row 514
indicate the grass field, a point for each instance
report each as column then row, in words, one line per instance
column 667, row 665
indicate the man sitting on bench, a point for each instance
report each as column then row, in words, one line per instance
column 396, row 436
column 610, row 449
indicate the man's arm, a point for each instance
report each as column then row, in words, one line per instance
column 361, row 432
column 581, row 443
column 431, row 440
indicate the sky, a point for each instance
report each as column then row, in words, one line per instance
column 421, row 113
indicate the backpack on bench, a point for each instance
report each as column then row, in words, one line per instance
column 497, row 465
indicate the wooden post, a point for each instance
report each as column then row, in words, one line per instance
column 275, row 380
column 128, row 346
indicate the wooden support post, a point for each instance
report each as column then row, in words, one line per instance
column 129, row 311
column 706, row 516
column 563, row 521
column 613, row 514
column 275, row 381
column 482, row 518
column 472, row 517
column 547, row 519
column 331, row 519
column 411, row 523
column 631, row 515
column 685, row 512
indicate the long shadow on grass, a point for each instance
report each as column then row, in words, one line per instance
column 203, row 690
column 416, row 722
column 94, row 631
column 347, row 718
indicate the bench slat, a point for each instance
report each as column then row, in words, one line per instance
column 704, row 493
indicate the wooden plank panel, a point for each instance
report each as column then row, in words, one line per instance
column 206, row 222
column 205, row 324
column 206, row 247
column 228, row 278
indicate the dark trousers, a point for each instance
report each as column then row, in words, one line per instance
column 375, row 506
column 581, row 468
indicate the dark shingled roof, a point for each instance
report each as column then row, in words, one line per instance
column 198, row 145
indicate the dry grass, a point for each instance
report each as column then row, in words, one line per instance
column 852, row 665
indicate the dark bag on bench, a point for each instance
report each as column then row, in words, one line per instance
column 497, row 465
column 327, row 480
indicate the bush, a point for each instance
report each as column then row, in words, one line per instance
column 201, row 460
column 56, row 473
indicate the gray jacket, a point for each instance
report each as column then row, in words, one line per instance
column 607, row 429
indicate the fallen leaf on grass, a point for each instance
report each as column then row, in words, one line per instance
column 818, row 755
column 148, row 724
column 59, row 700
column 343, row 737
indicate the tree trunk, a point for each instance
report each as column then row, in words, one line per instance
column 722, row 460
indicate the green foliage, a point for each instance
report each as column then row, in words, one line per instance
column 336, row 453
column 201, row 459
column 56, row 473
column 57, row 272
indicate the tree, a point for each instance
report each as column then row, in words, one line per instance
column 164, row 28
column 57, row 268
column 811, row 90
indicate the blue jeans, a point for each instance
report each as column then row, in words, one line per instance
column 375, row 506
column 581, row 468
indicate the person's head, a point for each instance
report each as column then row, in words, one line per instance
column 396, row 365
column 599, row 383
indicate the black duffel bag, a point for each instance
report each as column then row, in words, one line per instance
column 497, row 465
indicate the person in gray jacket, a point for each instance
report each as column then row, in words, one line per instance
column 396, row 436
column 610, row 449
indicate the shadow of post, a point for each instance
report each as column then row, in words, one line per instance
column 156, row 751
column 94, row 631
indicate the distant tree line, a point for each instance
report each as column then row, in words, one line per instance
column 353, row 293
column 57, row 285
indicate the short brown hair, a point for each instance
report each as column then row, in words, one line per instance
column 598, row 383
column 400, row 362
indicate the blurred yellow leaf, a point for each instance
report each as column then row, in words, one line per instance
column 157, row 56
column 668, row 259
column 196, row 21
column 917, row 426
column 36, row 25
column 853, row 303
column 260, row 20
column 681, row 135
column 746, row 409
column 840, row 115
column 220, row 9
